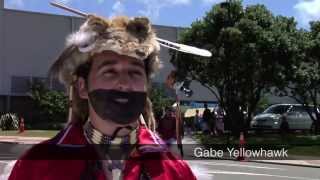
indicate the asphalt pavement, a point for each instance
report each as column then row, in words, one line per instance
column 234, row 170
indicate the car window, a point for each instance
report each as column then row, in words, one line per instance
column 298, row 109
column 280, row 109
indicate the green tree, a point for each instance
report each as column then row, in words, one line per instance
column 159, row 100
column 52, row 105
column 263, row 104
column 251, row 48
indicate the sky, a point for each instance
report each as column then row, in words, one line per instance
column 180, row 13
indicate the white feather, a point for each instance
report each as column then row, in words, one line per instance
column 84, row 40
column 199, row 171
column 184, row 48
column 194, row 50
column 7, row 170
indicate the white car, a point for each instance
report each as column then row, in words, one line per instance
column 271, row 119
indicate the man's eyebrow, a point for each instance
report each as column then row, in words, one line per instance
column 107, row 63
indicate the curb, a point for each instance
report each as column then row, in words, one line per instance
column 287, row 164
column 19, row 139
column 266, row 162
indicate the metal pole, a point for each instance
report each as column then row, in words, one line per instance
column 178, row 125
column 2, row 58
column 1, row 4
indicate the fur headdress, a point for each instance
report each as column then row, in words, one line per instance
column 131, row 37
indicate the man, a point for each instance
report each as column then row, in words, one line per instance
column 167, row 126
column 284, row 126
column 197, row 121
column 107, row 68
column 207, row 119
column 219, row 120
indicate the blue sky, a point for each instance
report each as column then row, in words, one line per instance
column 170, row 12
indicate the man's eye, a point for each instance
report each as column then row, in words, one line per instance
column 109, row 73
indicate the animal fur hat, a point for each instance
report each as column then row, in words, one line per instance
column 131, row 37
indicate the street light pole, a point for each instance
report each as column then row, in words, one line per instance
column 1, row 5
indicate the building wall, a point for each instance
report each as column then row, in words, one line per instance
column 2, row 104
column 32, row 42
column 2, row 50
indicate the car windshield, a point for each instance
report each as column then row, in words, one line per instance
column 277, row 109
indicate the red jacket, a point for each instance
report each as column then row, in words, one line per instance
column 71, row 165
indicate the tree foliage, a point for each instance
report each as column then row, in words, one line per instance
column 52, row 105
column 251, row 51
column 159, row 100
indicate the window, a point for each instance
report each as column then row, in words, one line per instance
column 298, row 109
column 56, row 85
column 20, row 84
column 41, row 80
column 278, row 109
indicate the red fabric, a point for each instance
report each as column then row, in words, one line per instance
column 159, row 165
column 167, row 127
column 21, row 125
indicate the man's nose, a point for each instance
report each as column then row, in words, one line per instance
column 124, row 83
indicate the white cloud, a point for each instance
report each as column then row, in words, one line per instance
column 117, row 8
column 307, row 10
column 153, row 7
column 175, row 2
column 15, row 3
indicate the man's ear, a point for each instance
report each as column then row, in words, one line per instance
column 82, row 88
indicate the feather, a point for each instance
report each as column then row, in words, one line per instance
column 7, row 170
column 82, row 39
column 201, row 172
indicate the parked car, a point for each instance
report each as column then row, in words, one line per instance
column 271, row 119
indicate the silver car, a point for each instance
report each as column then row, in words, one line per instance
column 297, row 117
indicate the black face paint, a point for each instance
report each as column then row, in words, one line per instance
column 117, row 106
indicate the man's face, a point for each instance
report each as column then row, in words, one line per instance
column 115, row 87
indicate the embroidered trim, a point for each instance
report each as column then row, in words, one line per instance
column 96, row 137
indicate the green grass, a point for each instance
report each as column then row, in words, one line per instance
column 30, row 133
column 264, row 139
column 305, row 151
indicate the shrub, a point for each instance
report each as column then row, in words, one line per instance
column 52, row 105
column 9, row 121
column 159, row 100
